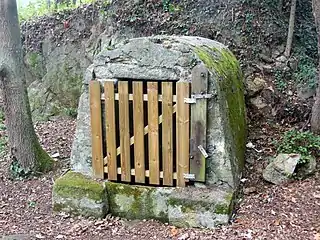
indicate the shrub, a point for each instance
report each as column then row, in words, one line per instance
column 305, row 143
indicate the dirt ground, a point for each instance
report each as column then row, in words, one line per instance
column 290, row 211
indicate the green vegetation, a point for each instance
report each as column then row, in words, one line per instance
column 169, row 7
column 76, row 185
column 305, row 48
column 281, row 79
column 38, row 8
column 306, row 144
column 306, row 70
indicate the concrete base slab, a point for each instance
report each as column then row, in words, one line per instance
column 182, row 207
column 200, row 207
column 77, row 194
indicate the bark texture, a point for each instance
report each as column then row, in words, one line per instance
column 291, row 28
column 315, row 118
column 26, row 151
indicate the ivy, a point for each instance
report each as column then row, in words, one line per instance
column 305, row 143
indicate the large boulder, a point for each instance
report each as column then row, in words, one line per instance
column 173, row 58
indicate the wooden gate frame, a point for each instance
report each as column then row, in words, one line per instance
column 190, row 132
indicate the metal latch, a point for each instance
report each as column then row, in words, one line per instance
column 203, row 151
column 194, row 97
column 189, row 176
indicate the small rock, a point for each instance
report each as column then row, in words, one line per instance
column 184, row 236
column 255, row 86
column 305, row 92
column 265, row 58
column 249, row 190
column 281, row 168
column 258, row 102
column 199, row 185
column 275, row 53
column 307, row 169
column 281, row 59
column 267, row 68
column 55, row 155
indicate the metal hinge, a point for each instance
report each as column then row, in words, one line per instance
column 189, row 176
column 194, row 97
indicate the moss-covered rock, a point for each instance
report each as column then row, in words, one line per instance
column 182, row 207
column 192, row 207
column 77, row 194
column 231, row 86
column 137, row 202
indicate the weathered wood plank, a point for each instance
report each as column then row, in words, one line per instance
column 138, row 127
column 183, row 131
column 153, row 133
column 96, row 129
column 199, row 85
column 110, row 130
column 167, row 144
column 124, row 131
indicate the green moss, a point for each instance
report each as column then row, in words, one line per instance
column 222, row 208
column 43, row 161
column 35, row 64
column 142, row 207
column 139, row 207
column 76, row 185
column 58, row 93
column 229, row 197
column 188, row 205
column 230, row 82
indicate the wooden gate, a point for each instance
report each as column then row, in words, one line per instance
column 141, row 130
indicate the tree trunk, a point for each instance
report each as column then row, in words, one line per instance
column 27, row 154
column 291, row 28
column 315, row 118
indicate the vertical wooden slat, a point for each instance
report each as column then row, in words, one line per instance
column 182, row 132
column 167, row 145
column 110, row 130
column 124, row 131
column 138, row 128
column 153, row 135
column 96, row 129
column 199, row 85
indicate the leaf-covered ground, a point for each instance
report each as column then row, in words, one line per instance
column 290, row 211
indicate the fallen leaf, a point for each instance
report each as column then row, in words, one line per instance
column 39, row 236
column 174, row 231
column 316, row 195
column 184, row 236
